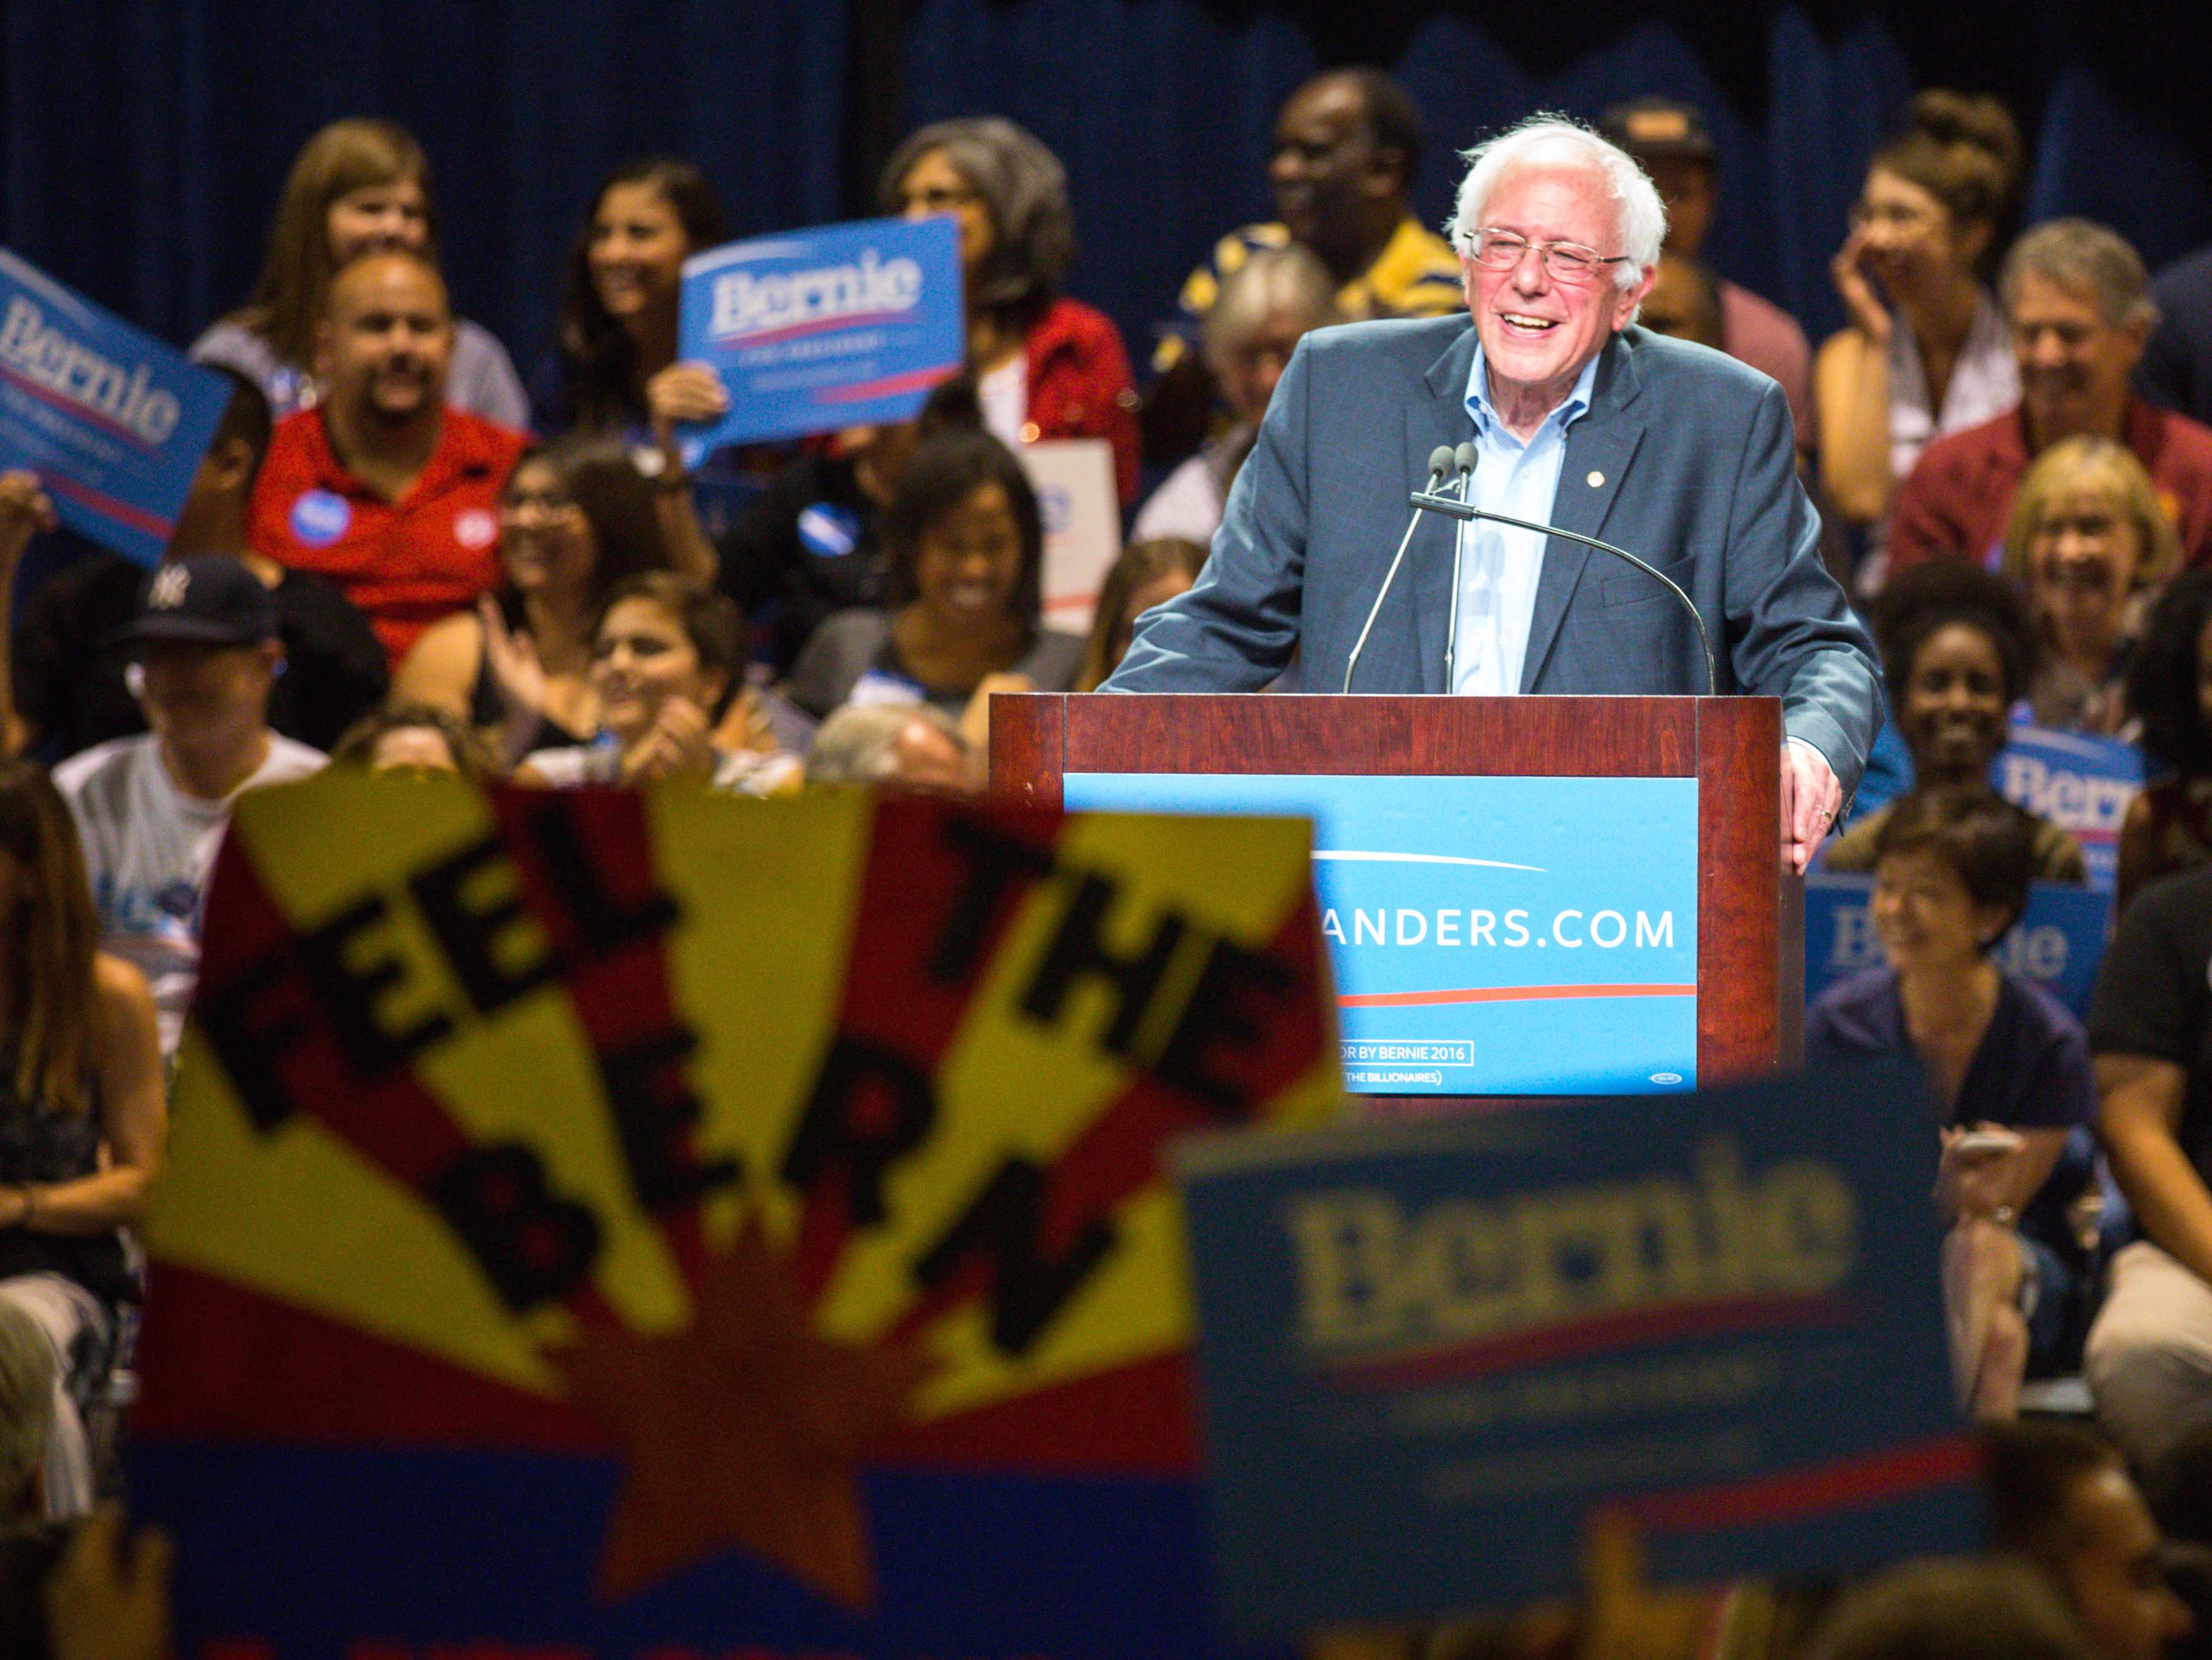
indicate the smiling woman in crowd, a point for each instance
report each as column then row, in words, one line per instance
column 613, row 367
column 575, row 520
column 1956, row 655
column 1925, row 351
column 1950, row 875
column 967, row 550
column 356, row 186
column 1045, row 365
column 2087, row 541
column 666, row 661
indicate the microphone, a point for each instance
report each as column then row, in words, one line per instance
column 1464, row 459
column 1427, row 501
column 1440, row 462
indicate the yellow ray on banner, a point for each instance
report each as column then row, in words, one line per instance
column 759, row 922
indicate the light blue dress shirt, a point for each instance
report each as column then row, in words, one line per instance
column 1499, row 565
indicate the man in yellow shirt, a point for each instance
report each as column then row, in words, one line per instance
column 1347, row 146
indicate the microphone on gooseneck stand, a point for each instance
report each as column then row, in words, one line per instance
column 1428, row 501
column 1464, row 461
column 1440, row 464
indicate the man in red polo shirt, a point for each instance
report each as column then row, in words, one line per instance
column 2079, row 302
column 380, row 487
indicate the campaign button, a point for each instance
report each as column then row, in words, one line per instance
column 476, row 528
column 320, row 517
column 828, row 531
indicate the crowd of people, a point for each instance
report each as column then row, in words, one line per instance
column 398, row 553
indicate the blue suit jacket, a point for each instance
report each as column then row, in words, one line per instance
column 1685, row 457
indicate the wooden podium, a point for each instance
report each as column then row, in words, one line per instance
column 1750, row 940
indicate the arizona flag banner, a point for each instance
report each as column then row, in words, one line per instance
column 614, row 1225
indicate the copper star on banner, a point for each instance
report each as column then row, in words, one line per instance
column 741, row 1430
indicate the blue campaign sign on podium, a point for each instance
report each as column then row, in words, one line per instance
column 1490, row 936
column 1467, row 1337
column 845, row 325
column 114, row 421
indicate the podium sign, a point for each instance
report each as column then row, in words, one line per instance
column 1491, row 936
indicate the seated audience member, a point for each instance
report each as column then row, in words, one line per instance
column 576, row 517
column 358, row 187
column 1045, row 365
column 666, row 658
column 2168, row 826
column 380, row 487
column 812, row 544
column 966, row 552
column 2176, row 370
column 2149, row 1360
column 2078, row 303
column 82, row 1117
column 1685, row 303
column 1956, row 655
column 1266, row 306
column 151, row 809
column 415, row 738
column 1146, row 574
column 911, row 747
column 613, row 368
column 2062, row 1500
column 1670, row 143
column 2087, row 538
column 1951, row 874
column 1951, row 1610
column 1347, row 149
column 66, row 674
column 1925, row 352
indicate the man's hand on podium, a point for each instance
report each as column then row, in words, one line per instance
column 1811, row 798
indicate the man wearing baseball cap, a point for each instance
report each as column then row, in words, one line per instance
column 150, row 810
column 1670, row 143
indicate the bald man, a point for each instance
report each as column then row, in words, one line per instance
column 379, row 486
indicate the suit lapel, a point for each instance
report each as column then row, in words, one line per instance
column 1440, row 418
column 1599, row 447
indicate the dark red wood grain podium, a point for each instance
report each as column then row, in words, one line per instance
column 1751, row 959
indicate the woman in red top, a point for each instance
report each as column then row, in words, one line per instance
column 1045, row 365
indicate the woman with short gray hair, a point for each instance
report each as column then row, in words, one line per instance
column 1266, row 306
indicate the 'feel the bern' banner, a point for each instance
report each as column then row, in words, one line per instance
column 619, row 1224
column 812, row 331
column 114, row 421
column 1431, row 1354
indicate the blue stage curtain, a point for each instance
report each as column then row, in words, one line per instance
column 1162, row 110
column 146, row 140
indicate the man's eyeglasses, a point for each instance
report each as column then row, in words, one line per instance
column 1565, row 261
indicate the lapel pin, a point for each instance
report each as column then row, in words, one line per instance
column 1596, row 480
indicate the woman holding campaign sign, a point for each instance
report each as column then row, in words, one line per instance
column 355, row 186
column 576, row 519
column 665, row 656
column 967, row 548
column 613, row 368
column 2087, row 540
column 1957, row 654
column 2009, row 1068
column 1047, row 366
column 82, row 1117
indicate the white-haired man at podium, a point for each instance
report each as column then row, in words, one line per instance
column 1579, row 420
